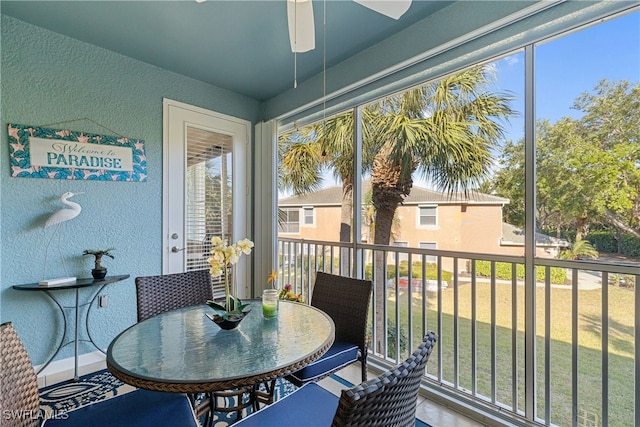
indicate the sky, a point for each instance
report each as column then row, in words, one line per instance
column 570, row 65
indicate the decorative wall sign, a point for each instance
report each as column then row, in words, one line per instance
column 64, row 154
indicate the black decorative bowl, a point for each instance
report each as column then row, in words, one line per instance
column 227, row 324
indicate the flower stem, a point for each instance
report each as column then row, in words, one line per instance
column 226, row 290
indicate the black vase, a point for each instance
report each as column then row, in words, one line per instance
column 99, row 274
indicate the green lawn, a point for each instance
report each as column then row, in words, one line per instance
column 621, row 347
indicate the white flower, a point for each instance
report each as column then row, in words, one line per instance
column 230, row 255
column 224, row 255
column 245, row 246
column 217, row 243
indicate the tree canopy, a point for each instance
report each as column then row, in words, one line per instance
column 587, row 169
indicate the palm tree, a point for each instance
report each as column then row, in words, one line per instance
column 580, row 249
column 443, row 130
column 328, row 145
column 306, row 153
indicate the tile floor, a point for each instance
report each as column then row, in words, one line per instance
column 430, row 412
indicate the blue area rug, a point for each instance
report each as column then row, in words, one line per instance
column 69, row 395
column 102, row 385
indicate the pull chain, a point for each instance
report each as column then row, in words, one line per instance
column 295, row 44
column 324, row 60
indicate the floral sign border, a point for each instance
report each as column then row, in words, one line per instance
column 77, row 155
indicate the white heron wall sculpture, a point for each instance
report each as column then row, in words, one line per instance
column 57, row 219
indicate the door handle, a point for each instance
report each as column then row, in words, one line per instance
column 176, row 249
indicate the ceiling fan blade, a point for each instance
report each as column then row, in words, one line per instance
column 302, row 34
column 391, row 8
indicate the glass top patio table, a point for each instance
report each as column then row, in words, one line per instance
column 184, row 351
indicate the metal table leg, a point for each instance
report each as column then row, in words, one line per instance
column 64, row 331
column 76, row 336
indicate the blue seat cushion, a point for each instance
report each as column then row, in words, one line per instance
column 339, row 354
column 138, row 408
column 309, row 406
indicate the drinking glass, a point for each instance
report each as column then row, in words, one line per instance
column 270, row 303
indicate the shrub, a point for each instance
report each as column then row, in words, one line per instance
column 603, row 241
column 630, row 245
column 558, row 275
column 416, row 271
column 627, row 280
column 503, row 271
column 391, row 339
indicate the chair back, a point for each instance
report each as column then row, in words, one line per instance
column 346, row 301
column 390, row 399
column 157, row 294
column 19, row 398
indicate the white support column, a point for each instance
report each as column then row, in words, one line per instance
column 356, row 230
column 265, row 204
column 529, row 239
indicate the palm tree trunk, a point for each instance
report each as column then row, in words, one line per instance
column 346, row 211
column 379, row 282
column 383, row 221
column 389, row 185
column 581, row 225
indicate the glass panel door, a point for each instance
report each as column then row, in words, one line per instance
column 208, row 199
column 206, row 164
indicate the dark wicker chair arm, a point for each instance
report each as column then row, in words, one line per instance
column 390, row 399
column 387, row 401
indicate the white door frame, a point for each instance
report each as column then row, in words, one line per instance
column 176, row 117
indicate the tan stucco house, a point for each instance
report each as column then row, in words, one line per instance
column 427, row 219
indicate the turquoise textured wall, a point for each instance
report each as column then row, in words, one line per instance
column 48, row 78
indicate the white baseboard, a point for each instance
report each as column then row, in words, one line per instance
column 62, row 370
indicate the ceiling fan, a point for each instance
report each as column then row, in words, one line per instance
column 300, row 19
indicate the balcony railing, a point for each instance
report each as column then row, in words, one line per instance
column 584, row 366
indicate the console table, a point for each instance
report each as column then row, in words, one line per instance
column 94, row 284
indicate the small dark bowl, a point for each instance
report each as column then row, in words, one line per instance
column 227, row 324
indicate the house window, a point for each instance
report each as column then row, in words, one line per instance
column 429, row 245
column 290, row 221
column 428, row 215
column 308, row 216
column 402, row 256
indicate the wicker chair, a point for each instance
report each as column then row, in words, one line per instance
column 386, row 401
column 157, row 294
column 346, row 301
column 20, row 402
